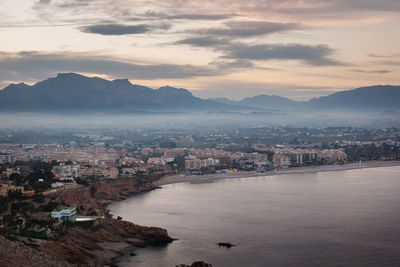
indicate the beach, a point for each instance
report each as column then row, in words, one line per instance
column 172, row 179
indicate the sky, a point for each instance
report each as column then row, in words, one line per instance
column 215, row 48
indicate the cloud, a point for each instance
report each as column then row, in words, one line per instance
column 383, row 55
column 32, row 65
column 43, row 2
column 319, row 11
column 316, row 55
column 312, row 55
column 204, row 41
column 75, row 3
column 249, row 28
column 232, row 64
column 372, row 71
column 119, row 29
column 186, row 16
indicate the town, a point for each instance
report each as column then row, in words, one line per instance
column 72, row 176
column 93, row 155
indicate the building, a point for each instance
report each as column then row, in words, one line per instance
column 99, row 172
column 281, row 161
column 173, row 152
column 195, row 163
column 66, row 171
column 64, row 214
column 6, row 158
column 332, row 156
column 160, row 161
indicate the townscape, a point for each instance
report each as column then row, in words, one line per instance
column 40, row 181
column 95, row 155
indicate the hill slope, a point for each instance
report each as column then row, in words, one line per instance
column 372, row 98
column 75, row 92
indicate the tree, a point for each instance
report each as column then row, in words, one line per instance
column 16, row 178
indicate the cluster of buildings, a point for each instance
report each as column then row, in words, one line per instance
column 110, row 163
column 69, row 172
column 289, row 157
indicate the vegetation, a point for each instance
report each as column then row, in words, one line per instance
column 373, row 152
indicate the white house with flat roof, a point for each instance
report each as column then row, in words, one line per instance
column 64, row 214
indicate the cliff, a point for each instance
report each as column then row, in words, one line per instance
column 15, row 253
column 93, row 199
column 93, row 243
column 102, row 242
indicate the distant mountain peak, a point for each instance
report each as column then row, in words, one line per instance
column 173, row 90
column 122, row 82
column 75, row 92
column 68, row 75
column 15, row 85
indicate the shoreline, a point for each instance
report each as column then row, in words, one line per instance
column 173, row 179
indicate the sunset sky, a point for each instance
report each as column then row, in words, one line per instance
column 219, row 48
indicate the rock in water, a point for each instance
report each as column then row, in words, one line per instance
column 227, row 245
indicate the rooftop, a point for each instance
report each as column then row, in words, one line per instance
column 65, row 208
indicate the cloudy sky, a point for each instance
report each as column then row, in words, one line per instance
column 215, row 48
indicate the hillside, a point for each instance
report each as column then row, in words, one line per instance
column 76, row 93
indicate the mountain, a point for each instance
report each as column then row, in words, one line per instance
column 271, row 102
column 74, row 92
column 224, row 100
column 371, row 98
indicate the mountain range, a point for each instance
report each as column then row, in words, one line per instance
column 75, row 93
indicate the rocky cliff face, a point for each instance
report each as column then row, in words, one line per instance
column 93, row 199
column 94, row 243
column 15, row 253
column 103, row 241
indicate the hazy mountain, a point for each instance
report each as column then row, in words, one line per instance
column 75, row 92
column 372, row 98
column 270, row 102
column 224, row 100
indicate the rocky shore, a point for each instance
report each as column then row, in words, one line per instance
column 102, row 242
column 93, row 243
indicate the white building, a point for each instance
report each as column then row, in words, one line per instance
column 64, row 214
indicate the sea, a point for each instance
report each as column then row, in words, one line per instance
column 338, row 218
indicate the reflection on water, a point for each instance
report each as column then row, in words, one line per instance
column 344, row 218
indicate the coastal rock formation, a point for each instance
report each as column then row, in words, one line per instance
column 223, row 244
column 15, row 253
column 92, row 199
column 91, row 243
column 196, row 264
column 103, row 241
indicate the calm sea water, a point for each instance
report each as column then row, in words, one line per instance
column 343, row 218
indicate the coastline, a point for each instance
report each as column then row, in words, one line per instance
column 100, row 242
column 173, row 179
column 107, row 241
